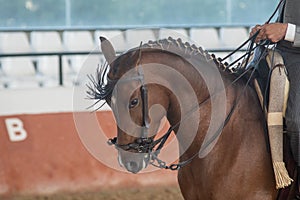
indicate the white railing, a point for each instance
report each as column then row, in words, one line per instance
column 50, row 56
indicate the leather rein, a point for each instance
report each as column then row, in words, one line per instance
column 145, row 144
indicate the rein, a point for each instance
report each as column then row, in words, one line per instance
column 250, row 39
column 145, row 144
column 177, row 166
column 162, row 164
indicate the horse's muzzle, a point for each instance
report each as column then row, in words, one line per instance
column 133, row 162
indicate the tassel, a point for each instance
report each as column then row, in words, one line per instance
column 281, row 175
column 276, row 108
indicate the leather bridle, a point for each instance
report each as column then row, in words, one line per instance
column 146, row 144
column 143, row 144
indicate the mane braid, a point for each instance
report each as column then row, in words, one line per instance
column 186, row 48
column 100, row 88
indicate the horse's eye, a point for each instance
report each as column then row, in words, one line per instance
column 133, row 103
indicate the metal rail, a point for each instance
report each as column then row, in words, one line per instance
column 60, row 30
column 59, row 54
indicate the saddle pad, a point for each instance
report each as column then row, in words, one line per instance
column 273, row 61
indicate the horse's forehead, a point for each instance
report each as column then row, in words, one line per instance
column 125, row 87
column 123, row 63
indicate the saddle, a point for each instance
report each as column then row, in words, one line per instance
column 272, row 85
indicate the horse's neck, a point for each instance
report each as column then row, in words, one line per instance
column 198, row 73
column 183, row 105
column 211, row 116
column 206, row 80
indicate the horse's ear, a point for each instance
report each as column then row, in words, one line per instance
column 108, row 50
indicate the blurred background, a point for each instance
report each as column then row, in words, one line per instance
column 118, row 13
column 47, row 48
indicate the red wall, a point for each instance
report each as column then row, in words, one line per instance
column 52, row 158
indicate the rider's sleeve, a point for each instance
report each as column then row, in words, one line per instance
column 297, row 37
column 293, row 34
column 290, row 33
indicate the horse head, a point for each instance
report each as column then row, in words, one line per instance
column 138, row 110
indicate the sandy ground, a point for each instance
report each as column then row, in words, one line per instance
column 163, row 193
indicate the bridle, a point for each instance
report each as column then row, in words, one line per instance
column 143, row 144
column 146, row 144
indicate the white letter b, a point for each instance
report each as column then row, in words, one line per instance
column 15, row 129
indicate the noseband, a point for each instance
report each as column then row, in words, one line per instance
column 146, row 144
column 144, row 97
column 143, row 144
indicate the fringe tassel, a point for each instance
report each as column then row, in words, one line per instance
column 281, row 175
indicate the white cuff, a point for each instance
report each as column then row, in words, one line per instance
column 290, row 33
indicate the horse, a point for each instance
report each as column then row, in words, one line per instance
column 215, row 116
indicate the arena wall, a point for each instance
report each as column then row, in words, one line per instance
column 41, row 150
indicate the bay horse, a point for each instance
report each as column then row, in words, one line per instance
column 216, row 119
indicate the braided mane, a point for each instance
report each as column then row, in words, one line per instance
column 183, row 49
column 101, row 87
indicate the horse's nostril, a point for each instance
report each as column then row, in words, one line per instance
column 133, row 167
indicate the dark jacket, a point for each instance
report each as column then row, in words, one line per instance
column 290, row 13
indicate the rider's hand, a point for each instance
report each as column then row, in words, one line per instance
column 273, row 32
column 255, row 29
